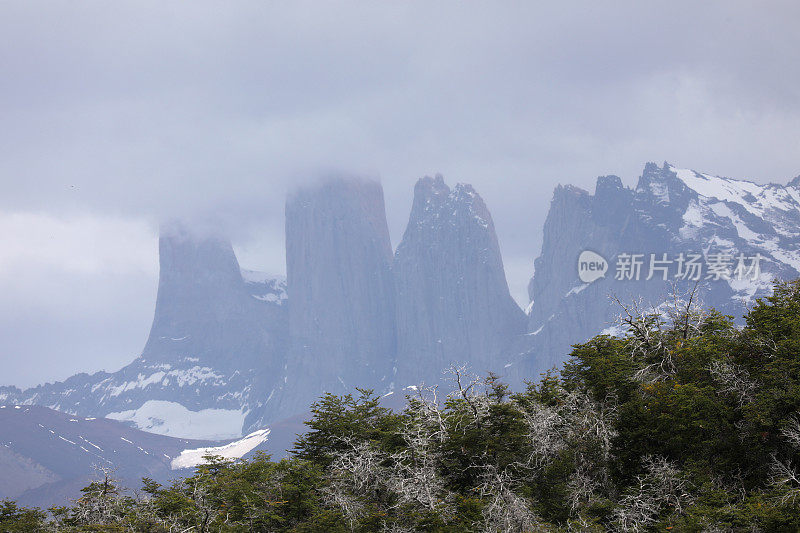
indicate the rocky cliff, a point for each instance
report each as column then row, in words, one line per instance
column 672, row 214
column 206, row 308
column 453, row 303
column 341, row 312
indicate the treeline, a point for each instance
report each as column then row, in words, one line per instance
column 688, row 423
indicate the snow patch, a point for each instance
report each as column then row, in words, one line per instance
column 614, row 331
column 788, row 257
column 720, row 188
column 174, row 420
column 234, row 450
column 744, row 232
column 693, row 219
column 270, row 297
column 267, row 288
column 576, row 289
column 659, row 191
column 538, row 330
column 254, row 276
column 140, row 383
column 748, row 290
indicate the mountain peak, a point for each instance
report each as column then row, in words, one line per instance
column 661, row 185
column 430, row 190
column 608, row 186
column 452, row 297
column 671, row 212
column 191, row 256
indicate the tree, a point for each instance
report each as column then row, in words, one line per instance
column 14, row 518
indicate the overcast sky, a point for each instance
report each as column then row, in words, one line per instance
column 116, row 115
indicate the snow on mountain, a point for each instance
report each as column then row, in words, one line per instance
column 233, row 450
column 765, row 217
column 672, row 215
column 266, row 287
column 190, row 402
column 47, row 456
column 175, row 420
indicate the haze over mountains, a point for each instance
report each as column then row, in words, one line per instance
column 233, row 351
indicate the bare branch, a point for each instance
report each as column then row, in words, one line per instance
column 662, row 486
column 734, row 380
column 505, row 510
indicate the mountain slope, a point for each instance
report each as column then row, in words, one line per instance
column 671, row 212
column 47, row 456
column 230, row 353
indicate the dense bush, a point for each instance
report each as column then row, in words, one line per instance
column 688, row 423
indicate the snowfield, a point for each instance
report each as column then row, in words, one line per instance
column 175, row 420
column 233, row 450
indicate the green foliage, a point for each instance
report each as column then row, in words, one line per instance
column 688, row 423
column 338, row 421
column 14, row 518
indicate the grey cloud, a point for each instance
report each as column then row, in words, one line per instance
column 146, row 109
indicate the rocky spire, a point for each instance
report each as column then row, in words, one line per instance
column 341, row 312
column 453, row 303
column 205, row 310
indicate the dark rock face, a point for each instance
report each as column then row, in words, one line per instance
column 453, row 303
column 338, row 264
column 671, row 211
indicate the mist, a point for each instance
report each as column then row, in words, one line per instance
column 119, row 116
